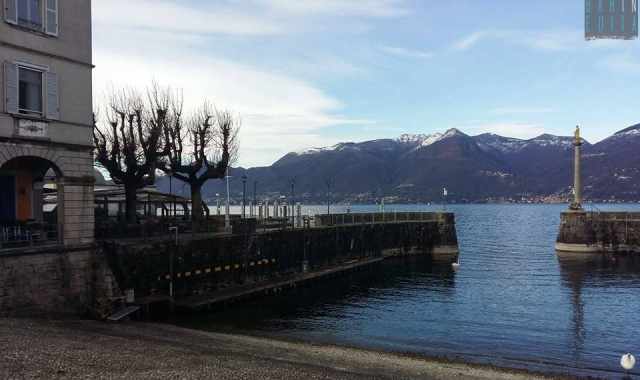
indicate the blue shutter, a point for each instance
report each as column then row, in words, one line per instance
column 11, row 87
column 11, row 11
column 51, row 17
column 53, row 103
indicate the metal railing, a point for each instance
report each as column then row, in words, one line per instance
column 24, row 234
column 377, row 217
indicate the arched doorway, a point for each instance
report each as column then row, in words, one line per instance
column 26, row 218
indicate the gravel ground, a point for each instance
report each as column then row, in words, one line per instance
column 66, row 349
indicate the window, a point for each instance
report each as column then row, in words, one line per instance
column 30, row 14
column 30, row 91
column 38, row 15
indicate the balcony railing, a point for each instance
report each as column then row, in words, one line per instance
column 24, row 234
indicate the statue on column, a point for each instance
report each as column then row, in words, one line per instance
column 576, row 205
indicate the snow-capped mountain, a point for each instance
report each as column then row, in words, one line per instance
column 513, row 145
column 417, row 166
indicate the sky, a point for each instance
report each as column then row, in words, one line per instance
column 312, row 73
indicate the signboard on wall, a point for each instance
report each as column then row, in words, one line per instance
column 611, row 19
column 32, row 128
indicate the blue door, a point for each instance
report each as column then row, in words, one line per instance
column 7, row 198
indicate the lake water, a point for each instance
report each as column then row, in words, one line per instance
column 514, row 302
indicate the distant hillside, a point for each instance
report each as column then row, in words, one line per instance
column 415, row 168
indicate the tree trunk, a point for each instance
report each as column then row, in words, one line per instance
column 196, row 207
column 130, row 203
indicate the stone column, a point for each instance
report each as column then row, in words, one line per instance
column 76, row 209
column 577, row 180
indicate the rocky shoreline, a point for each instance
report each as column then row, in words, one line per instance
column 38, row 348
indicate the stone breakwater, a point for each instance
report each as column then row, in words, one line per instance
column 209, row 269
column 599, row 232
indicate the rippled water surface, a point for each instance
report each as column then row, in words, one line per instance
column 513, row 302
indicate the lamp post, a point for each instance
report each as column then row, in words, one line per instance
column 244, row 191
column 173, row 197
column 175, row 230
column 227, row 221
column 255, row 200
column 328, row 199
column 293, row 202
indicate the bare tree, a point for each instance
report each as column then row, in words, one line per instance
column 131, row 143
column 200, row 149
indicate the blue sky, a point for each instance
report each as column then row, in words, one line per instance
column 308, row 73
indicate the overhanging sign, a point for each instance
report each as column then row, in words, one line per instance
column 616, row 19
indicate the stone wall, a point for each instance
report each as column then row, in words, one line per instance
column 592, row 232
column 39, row 281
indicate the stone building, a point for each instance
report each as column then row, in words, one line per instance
column 45, row 145
column 46, row 117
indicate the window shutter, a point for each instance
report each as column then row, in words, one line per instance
column 53, row 104
column 51, row 26
column 11, row 11
column 11, row 87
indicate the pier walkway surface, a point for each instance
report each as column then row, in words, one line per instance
column 72, row 349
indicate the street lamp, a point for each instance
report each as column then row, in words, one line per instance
column 244, row 191
column 328, row 199
column 293, row 202
column 255, row 200
column 227, row 221
column 175, row 230
column 173, row 197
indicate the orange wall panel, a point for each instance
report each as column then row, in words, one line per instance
column 24, row 190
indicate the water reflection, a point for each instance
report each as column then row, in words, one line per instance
column 582, row 272
column 356, row 295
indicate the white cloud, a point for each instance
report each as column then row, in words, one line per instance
column 172, row 42
column 168, row 16
column 406, row 53
column 622, row 63
column 544, row 40
column 367, row 8
column 501, row 111
column 279, row 113
column 241, row 18
column 469, row 40
column 276, row 111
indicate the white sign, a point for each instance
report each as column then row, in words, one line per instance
column 32, row 128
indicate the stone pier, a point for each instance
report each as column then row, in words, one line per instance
column 599, row 232
column 226, row 267
column 595, row 231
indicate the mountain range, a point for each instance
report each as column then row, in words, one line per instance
column 416, row 168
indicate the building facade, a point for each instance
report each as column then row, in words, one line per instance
column 46, row 121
